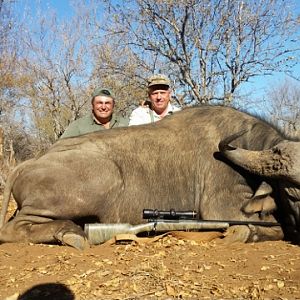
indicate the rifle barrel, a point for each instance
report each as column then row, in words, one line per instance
column 190, row 225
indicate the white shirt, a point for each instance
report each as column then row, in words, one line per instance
column 145, row 115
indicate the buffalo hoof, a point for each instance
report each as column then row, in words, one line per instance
column 238, row 233
column 75, row 240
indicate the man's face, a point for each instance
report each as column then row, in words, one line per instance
column 103, row 107
column 159, row 96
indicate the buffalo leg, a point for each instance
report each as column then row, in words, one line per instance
column 264, row 233
column 238, row 233
column 37, row 229
column 251, row 233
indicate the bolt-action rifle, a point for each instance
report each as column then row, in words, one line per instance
column 162, row 221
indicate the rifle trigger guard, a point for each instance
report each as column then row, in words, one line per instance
column 154, row 226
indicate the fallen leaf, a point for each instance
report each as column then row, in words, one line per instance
column 170, row 291
column 13, row 297
column 280, row 284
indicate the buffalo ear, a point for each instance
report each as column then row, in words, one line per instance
column 261, row 202
column 263, row 190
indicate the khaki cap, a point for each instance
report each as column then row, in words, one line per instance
column 158, row 79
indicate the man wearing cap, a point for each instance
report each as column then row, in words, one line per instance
column 159, row 94
column 102, row 115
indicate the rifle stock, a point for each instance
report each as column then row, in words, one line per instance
column 98, row 233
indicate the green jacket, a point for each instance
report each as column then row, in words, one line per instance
column 87, row 124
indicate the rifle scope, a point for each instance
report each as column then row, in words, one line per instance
column 171, row 214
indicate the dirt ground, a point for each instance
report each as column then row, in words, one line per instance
column 168, row 268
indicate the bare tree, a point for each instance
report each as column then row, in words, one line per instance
column 212, row 47
column 57, row 61
column 8, row 52
column 118, row 68
column 62, row 61
column 9, row 77
column 284, row 106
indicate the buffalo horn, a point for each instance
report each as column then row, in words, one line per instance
column 270, row 163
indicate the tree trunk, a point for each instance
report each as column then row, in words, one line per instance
column 1, row 144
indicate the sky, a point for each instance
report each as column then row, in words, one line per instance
column 257, row 86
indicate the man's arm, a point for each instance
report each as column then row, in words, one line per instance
column 139, row 116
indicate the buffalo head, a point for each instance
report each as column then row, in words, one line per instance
column 280, row 163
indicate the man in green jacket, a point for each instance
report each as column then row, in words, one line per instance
column 102, row 116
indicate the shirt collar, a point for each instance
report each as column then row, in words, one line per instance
column 169, row 110
column 112, row 121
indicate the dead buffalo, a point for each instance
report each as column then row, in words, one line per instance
column 225, row 164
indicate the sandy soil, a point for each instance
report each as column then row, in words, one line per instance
column 168, row 268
